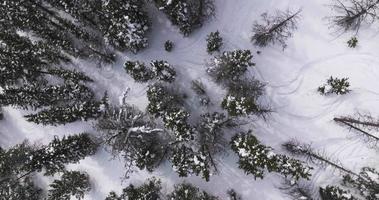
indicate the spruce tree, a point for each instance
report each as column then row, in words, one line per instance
column 72, row 183
column 21, row 189
column 130, row 133
column 138, row 71
column 214, row 42
column 230, row 66
column 335, row 193
column 186, row 191
column 150, row 190
column 163, row 71
column 335, row 86
column 255, row 159
column 367, row 183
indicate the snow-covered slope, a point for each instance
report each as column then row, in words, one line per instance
column 292, row 77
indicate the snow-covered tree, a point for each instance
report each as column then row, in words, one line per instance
column 60, row 115
column 186, row 14
column 130, row 133
column 138, row 71
column 353, row 42
column 335, row 86
column 214, row 42
column 186, row 191
column 275, row 28
column 335, row 193
column 351, row 14
column 230, row 66
column 177, row 121
column 163, row 71
column 168, row 46
column 37, row 96
column 150, row 190
column 72, row 183
column 21, row 189
column 59, row 152
column 255, row 159
column 366, row 183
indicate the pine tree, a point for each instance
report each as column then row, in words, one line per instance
column 275, row 29
column 150, row 190
column 129, row 132
column 72, row 183
column 230, row 66
column 21, row 189
column 53, row 157
column 335, row 86
column 186, row 14
column 255, row 159
column 62, row 115
column 138, row 71
column 168, row 45
column 367, row 183
column 186, row 191
column 163, row 71
column 335, row 193
column 214, row 42
column 36, row 96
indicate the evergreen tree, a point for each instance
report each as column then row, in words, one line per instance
column 168, row 45
column 129, row 132
column 138, row 71
column 177, row 121
column 20, row 189
column 352, row 43
column 36, row 96
column 255, row 158
column 335, row 193
column 214, row 42
column 186, row 14
column 62, row 115
column 367, row 183
column 150, row 190
column 186, row 191
column 276, row 28
column 163, row 71
column 57, row 153
column 335, row 86
column 72, row 183
column 230, row 66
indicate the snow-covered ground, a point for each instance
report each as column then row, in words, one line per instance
column 292, row 76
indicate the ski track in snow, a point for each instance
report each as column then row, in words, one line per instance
column 292, row 77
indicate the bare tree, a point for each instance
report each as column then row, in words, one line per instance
column 350, row 14
column 275, row 28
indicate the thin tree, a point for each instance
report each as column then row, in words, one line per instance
column 275, row 28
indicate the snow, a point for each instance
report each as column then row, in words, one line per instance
column 292, row 77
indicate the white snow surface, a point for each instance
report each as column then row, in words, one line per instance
column 292, row 76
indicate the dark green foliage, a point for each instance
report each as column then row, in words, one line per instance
column 255, row 159
column 352, row 43
column 34, row 96
column 230, row 66
column 335, row 193
column 123, row 24
column 163, row 71
column 23, row 189
column 130, row 133
column 275, row 29
column 335, row 86
column 151, row 190
column 367, row 183
column 72, row 183
column 186, row 14
column 168, row 45
column 214, row 42
column 63, row 115
column 186, row 191
column 57, row 153
column 177, row 121
column 185, row 162
column 138, row 71
column 69, row 76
